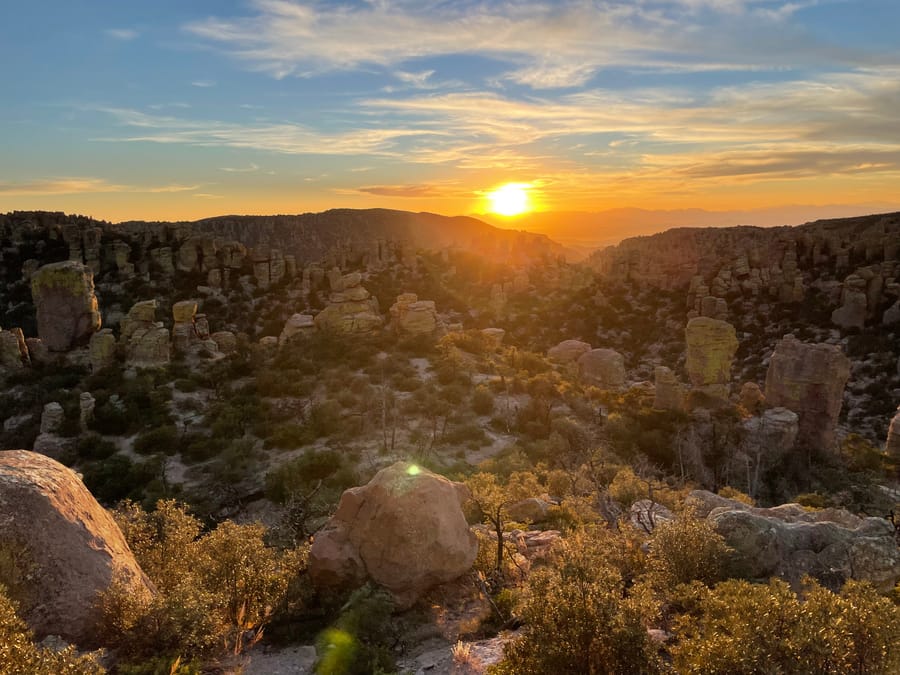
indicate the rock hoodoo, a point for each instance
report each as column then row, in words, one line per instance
column 669, row 393
column 75, row 552
column 351, row 308
column 413, row 316
column 711, row 345
column 67, row 310
column 809, row 379
column 404, row 530
column 297, row 324
column 892, row 447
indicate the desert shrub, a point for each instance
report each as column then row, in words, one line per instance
column 215, row 591
column 580, row 619
column 741, row 628
column 20, row 656
column 303, row 473
column 160, row 440
column 94, row 446
column 117, row 477
column 684, row 550
column 733, row 493
column 289, row 436
column 482, row 401
column 465, row 434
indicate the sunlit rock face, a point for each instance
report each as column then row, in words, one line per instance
column 809, row 379
column 405, row 530
column 413, row 316
column 711, row 345
column 351, row 308
column 67, row 310
column 568, row 351
column 892, row 447
column 603, row 368
column 65, row 547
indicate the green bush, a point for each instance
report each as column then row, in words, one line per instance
column 482, row 401
column 164, row 440
column 94, row 446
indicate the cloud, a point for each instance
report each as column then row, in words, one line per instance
column 401, row 190
column 203, row 84
column 545, row 44
column 248, row 169
column 82, row 185
column 417, row 80
column 123, row 34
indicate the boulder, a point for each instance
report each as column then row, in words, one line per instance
column 496, row 336
column 751, row 397
column 604, row 368
column 86, row 404
column 809, row 379
column 351, row 309
column 298, row 323
column 568, row 351
column 646, row 515
column 226, row 341
column 852, row 312
column 531, row 510
column 67, row 310
column 52, row 418
column 142, row 315
column 711, row 345
column 413, row 316
column 405, row 530
column 58, row 568
column 149, row 347
column 37, row 350
column 184, row 311
column 13, row 350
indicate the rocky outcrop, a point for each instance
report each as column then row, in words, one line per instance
column 351, row 310
column 57, row 568
column 809, row 379
column 296, row 325
column 149, row 347
column 711, row 345
column 86, row 404
column 183, row 331
column 531, row 510
column 142, row 315
column 789, row 542
column 413, row 316
column 892, row 447
column 852, row 312
column 603, row 368
column 751, row 397
column 226, row 341
column 67, row 310
column 102, row 349
column 13, row 350
column 668, row 392
column 568, row 351
column 405, row 530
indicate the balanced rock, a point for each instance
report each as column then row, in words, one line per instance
column 788, row 541
column 142, row 315
column 351, row 310
column 809, row 379
column 711, row 345
column 67, row 310
column 60, row 566
column 603, row 368
column 405, row 530
column 297, row 324
column 568, row 351
column 184, row 311
column 413, row 316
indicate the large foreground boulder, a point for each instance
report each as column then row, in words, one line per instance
column 58, row 546
column 788, row 541
column 404, row 530
column 67, row 310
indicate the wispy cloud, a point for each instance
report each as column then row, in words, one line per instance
column 123, row 34
column 203, row 84
column 82, row 185
column 245, row 169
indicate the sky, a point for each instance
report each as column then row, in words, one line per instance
column 180, row 110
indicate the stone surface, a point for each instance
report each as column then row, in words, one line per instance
column 413, row 316
column 604, row 368
column 568, row 351
column 76, row 551
column 751, row 397
column 226, row 341
column 13, row 350
column 102, row 349
column 711, row 345
column 67, row 310
column 646, row 515
column 297, row 324
column 52, row 418
column 405, row 530
column 531, row 510
column 809, row 379
column 37, row 350
column 668, row 393
column 351, row 309
column 184, row 311
column 149, row 347
column 141, row 315
column 789, row 542
column 892, row 446
column 86, row 405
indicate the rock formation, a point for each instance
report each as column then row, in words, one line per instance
column 413, row 316
column 76, row 552
column 13, row 350
column 67, row 311
column 751, row 397
column 226, row 341
column 149, row 347
column 809, row 379
column 297, row 324
column 183, row 330
column 351, row 310
column 668, row 392
column 405, row 530
column 788, row 541
column 892, row 447
column 86, row 404
column 102, row 349
column 568, row 351
column 852, row 312
column 711, row 345
column 603, row 368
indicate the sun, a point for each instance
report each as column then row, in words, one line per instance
column 510, row 199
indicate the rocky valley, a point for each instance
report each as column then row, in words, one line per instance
column 382, row 441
